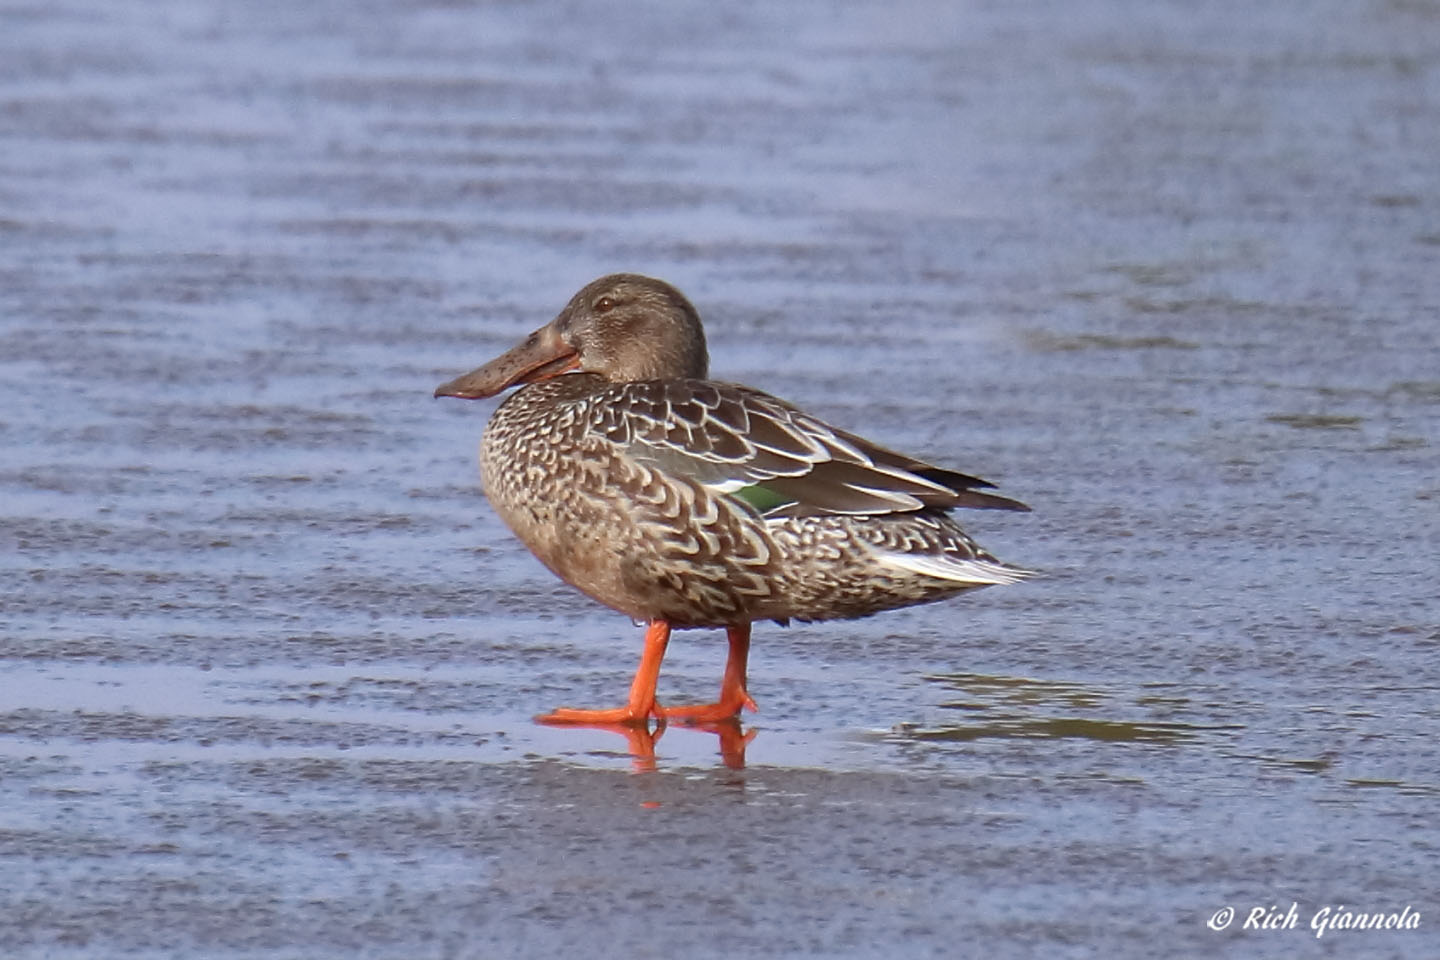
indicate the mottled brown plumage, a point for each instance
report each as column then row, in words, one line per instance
column 688, row 502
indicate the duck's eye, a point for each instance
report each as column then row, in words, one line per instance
column 604, row 305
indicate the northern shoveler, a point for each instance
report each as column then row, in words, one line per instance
column 686, row 502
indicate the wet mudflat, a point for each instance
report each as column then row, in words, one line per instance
column 267, row 661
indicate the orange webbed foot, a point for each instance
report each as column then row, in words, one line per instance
column 727, row 708
column 641, row 706
column 733, row 696
column 625, row 716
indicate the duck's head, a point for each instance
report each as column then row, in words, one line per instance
column 623, row 327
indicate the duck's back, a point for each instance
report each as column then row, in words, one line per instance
column 639, row 494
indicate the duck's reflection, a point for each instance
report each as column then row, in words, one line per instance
column 641, row 739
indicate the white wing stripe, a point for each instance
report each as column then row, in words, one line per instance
column 978, row 572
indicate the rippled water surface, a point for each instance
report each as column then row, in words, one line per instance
column 1170, row 274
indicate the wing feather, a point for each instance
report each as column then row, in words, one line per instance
column 729, row 438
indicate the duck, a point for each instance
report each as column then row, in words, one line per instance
column 686, row 502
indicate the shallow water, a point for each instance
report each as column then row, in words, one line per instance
column 267, row 660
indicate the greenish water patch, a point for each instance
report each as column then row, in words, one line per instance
column 1016, row 707
column 1188, row 304
column 989, row 690
column 1392, row 200
column 1064, row 728
column 1316, row 421
column 1055, row 343
column 1154, row 274
column 1300, row 764
column 1425, row 391
column 1410, row 789
column 1392, row 444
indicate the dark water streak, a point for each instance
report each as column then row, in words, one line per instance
column 267, row 661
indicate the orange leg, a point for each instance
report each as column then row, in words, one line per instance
column 732, row 689
column 641, row 706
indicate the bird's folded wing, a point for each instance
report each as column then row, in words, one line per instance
column 770, row 455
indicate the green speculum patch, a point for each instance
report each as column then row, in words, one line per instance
column 762, row 498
